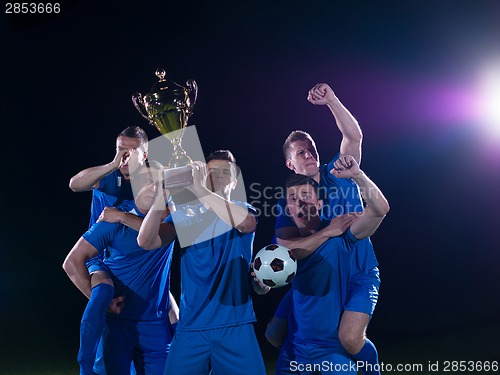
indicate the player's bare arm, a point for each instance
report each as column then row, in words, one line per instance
column 377, row 206
column 352, row 137
column 153, row 233
column 236, row 216
column 114, row 215
column 89, row 178
column 305, row 245
column 75, row 268
column 173, row 313
column 276, row 331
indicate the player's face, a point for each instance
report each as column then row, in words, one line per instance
column 303, row 158
column 221, row 176
column 134, row 157
column 145, row 185
column 302, row 204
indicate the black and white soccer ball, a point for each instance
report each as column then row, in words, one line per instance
column 275, row 266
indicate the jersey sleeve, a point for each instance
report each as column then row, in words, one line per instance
column 248, row 206
column 101, row 234
column 350, row 240
column 341, row 194
column 108, row 184
column 335, row 181
column 169, row 219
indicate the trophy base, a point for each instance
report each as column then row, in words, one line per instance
column 177, row 177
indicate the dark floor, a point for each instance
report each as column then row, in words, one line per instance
column 419, row 355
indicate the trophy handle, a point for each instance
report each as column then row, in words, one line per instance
column 139, row 104
column 193, row 94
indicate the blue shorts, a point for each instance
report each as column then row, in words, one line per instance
column 96, row 264
column 363, row 292
column 305, row 359
column 228, row 350
column 146, row 343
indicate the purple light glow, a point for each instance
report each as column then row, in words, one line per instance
column 406, row 102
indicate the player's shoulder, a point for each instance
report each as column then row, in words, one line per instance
column 129, row 207
column 246, row 205
column 101, row 229
column 346, row 240
column 329, row 180
column 109, row 179
column 110, row 184
column 186, row 214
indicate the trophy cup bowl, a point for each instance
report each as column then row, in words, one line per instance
column 168, row 107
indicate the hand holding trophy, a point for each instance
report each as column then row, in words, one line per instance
column 167, row 107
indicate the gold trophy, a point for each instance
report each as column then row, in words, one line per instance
column 167, row 107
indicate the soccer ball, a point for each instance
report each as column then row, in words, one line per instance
column 274, row 266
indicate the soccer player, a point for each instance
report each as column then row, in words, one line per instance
column 110, row 185
column 215, row 328
column 137, row 327
column 321, row 285
column 340, row 196
column 110, row 182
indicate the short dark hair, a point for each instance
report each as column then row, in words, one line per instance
column 153, row 164
column 135, row 132
column 296, row 135
column 221, row 155
column 148, row 164
column 299, row 180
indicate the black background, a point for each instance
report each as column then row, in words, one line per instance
column 66, row 85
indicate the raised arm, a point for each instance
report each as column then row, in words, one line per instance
column 89, row 178
column 236, row 216
column 376, row 204
column 153, row 232
column 322, row 94
column 304, row 244
column 75, row 268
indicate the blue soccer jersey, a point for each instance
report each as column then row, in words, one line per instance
column 216, row 307
column 340, row 196
column 215, row 291
column 112, row 190
column 141, row 276
column 320, row 290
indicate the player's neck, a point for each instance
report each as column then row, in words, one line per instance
column 317, row 177
column 311, row 227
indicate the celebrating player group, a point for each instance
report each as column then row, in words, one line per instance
column 132, row 323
